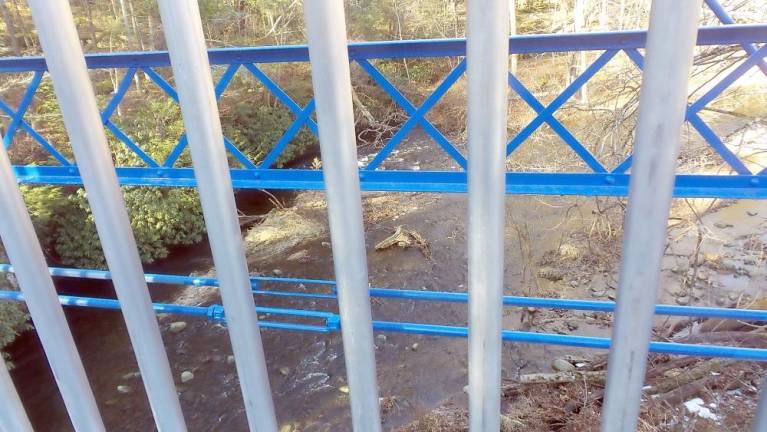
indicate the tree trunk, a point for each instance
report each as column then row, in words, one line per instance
column 91, row 25
column 21, row 25
column 129, row 34
column 135, row 28
column 512, row 32
column 150, row 24
column 621, row 13
column 603, row 18
column 10, row 29
column 399, row 35
column 126, row 24
column 579, row 21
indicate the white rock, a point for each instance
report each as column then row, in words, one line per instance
column 177, row 327
column 698, row 407
column 186, row 376
column 562, row 365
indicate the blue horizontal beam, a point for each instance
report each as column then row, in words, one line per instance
column 754, row 354
column 212, row 312
column 332, row 324
column 406, row 294
column 524, row 44
column 588, row 184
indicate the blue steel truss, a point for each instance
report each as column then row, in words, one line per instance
column 597, row 180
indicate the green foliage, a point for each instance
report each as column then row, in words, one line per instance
column 155, row 126
column 160, row 218
column 44, row 204
column 256, row 129
column 13, row 316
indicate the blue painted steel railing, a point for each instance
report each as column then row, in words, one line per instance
column 601, row 180
column 327, row 322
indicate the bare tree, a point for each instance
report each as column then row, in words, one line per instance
column 513, row 31
column 603, row 19
column 579, row 22
column 10, row 29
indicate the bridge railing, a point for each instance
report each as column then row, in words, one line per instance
column 597, row 179
column 663, row 108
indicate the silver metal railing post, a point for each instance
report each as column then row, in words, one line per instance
column 331, row 77
column 760, row 419
column 23, row 249
column 487, row 54
column 194, row 83
column 66, row 64
column 662, row 103
column 13, row 417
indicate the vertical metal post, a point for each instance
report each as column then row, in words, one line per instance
column 23, row 249
column 331, row 78
column 13, row 417
column 663, row 99
column 194, row 83
column 487, row 53
column 760, row 419
column 66, row 64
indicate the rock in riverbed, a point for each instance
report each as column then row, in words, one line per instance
column 186, row 376
column 177, row 327
column 562, row 365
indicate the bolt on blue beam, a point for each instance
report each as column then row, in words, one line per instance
column 443, row 296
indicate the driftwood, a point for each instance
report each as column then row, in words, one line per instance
column 678, row 377
column 594, row 377
column 405, row 238
column 697, row 388
column 563, row 377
